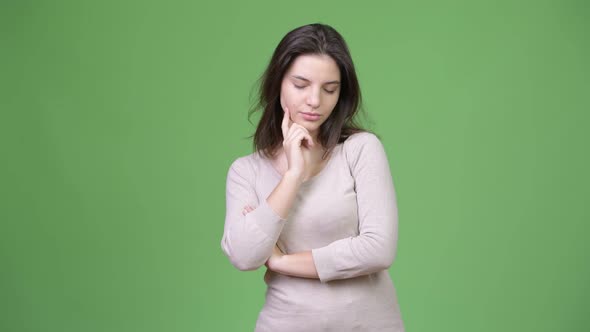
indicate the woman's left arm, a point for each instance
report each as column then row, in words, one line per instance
column 375, row 247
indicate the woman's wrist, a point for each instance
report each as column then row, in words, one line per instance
column 294, row 176
column 276, row 263
column 296, row 265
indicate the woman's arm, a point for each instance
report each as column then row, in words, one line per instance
column 375, row 247
column 297, row 265
column 248, row 239
column 281, row 199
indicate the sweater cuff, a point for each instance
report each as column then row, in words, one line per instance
column 270, row 222
column 322, row 258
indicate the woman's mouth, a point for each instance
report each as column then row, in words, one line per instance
column 310, row 116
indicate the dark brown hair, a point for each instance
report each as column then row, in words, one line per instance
column 318, row 39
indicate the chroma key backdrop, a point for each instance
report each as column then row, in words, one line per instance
column 119, row 120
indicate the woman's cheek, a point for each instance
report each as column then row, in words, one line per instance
column 285, row 101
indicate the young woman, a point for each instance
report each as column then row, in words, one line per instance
column 315, row 203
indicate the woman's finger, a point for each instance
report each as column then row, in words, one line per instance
column 298, row 137
column 296, row 126
column 294, row 135
column 247, row 209
column 286, row 124
column 293, row 130
column 307, row 137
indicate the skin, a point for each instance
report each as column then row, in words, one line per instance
column 311, row 84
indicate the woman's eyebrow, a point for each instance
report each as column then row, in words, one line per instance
column 305, row 79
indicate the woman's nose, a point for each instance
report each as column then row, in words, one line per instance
column 313, row 99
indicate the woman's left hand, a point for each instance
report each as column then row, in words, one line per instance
column 247, row 209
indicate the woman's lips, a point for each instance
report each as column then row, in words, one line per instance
column 310, row 116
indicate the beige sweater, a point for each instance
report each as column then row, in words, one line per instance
column 346, row 215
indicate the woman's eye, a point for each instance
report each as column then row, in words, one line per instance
column 303, row 87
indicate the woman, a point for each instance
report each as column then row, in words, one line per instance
column 315, row 203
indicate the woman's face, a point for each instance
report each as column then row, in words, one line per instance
column 310, row 89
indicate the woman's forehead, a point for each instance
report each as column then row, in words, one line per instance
column 315, row 68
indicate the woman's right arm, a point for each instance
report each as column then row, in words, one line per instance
column 248, row 239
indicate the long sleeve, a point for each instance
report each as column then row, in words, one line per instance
column 248, row 240
column 374, row 248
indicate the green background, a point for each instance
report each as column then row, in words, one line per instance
column 119, row 121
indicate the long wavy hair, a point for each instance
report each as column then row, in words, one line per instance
column 318, row 39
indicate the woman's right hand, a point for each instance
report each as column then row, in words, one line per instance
column 296, row 143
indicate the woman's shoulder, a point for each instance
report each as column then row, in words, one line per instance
column 357, row 141
column 363, row 147
column 364, row 150
column 246, row 165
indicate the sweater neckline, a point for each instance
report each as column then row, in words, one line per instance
column 279, row 176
